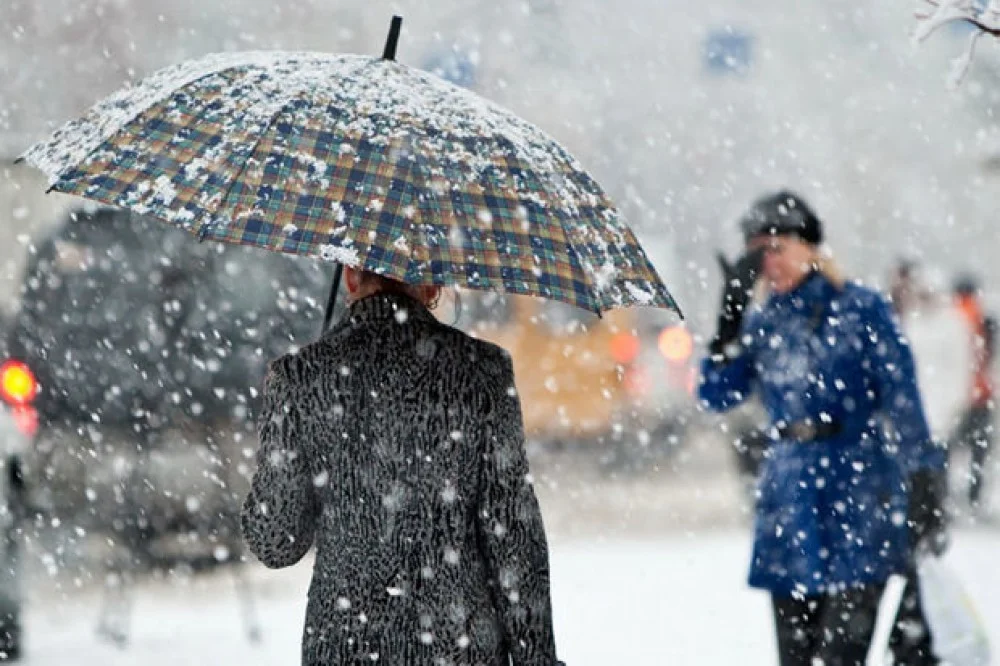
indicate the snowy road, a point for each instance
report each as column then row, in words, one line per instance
column 676, row 599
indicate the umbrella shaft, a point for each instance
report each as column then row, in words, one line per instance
column 331, row 301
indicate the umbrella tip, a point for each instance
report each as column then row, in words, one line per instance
column 390, row 43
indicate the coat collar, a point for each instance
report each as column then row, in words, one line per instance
column 815, row 288
column 388, row 307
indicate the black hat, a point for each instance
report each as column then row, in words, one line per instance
column 781, row 213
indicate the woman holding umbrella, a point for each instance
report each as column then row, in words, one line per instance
column 395, row 444
column 841, row 503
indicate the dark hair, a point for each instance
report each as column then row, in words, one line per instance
column 387, row 284
column 905, row 267
column 390, row 285
column 966, row 285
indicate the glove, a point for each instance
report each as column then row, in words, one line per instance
column 928, row 490
column 738, row 280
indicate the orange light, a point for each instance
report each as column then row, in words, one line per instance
column 676, row 344
column 17, row 383
column 624, row 348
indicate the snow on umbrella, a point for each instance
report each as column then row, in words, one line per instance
column 359, row 160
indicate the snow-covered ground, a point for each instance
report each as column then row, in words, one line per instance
column 673, row 599
column 648, row 569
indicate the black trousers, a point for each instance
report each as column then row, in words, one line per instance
column 975, row 430
column 911, row 640
column 838, row 628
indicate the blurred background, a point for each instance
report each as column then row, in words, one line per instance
column 685, row 112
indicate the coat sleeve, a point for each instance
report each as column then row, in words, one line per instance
column 511, row 533
column 280, row 511
column 724, row 384
column 897, row 390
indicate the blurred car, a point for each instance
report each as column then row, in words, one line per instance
column 145, row 351
column 660, row 374
column 621, row 383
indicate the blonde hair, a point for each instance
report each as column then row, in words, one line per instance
column 828, row 267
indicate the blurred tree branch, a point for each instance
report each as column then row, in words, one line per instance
column 985, row 20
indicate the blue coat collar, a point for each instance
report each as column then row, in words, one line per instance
column 814, row 289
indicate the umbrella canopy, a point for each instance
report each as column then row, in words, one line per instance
column 358, row 160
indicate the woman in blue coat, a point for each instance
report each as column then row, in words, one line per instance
column 853, row 483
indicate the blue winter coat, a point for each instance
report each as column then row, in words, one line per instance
column 831, row 511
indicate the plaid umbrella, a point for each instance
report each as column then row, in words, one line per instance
column 358, row 160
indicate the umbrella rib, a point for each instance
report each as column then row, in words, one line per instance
column 597, row 301
column 158, row 100
column 418, row 236
column 579, row 260
column 282, row 107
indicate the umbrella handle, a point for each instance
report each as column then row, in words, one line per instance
column 331, row 301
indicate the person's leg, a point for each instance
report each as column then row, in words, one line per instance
column 911, row 640
column 795, row 628
column 981, row 439
column 961, row 435
column 10, row 628
column 846, row 625
column 10, row 569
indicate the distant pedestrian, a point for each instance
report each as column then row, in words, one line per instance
column 977, row 425
column 834, row 517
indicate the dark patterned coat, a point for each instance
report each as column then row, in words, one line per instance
column 395, row 444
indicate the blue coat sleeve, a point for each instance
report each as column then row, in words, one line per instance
column 897, row 389
column 725, row 384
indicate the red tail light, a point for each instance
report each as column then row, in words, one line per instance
column 17, row 383
column 624, row 348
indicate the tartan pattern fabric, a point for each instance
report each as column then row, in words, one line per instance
column 357, row 160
